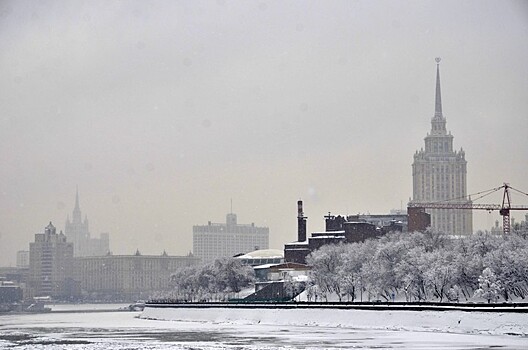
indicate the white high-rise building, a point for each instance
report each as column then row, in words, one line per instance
column 51, row 264
column 439, row 175
column 213, row 241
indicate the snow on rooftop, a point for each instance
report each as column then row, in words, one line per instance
column 263, row 254
column 333, row 233
column 265, row 266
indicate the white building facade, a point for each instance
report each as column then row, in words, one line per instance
column 127, row 277
column 218, row 240
column 51, row 265
column 439, row 175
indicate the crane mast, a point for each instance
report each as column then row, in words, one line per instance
column 505, row 210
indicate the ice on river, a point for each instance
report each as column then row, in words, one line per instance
column 125, row 330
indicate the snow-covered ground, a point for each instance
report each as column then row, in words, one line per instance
column 85, row 307
column 229, row 329
column 431, row 321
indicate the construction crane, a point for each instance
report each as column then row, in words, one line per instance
column 504, row 208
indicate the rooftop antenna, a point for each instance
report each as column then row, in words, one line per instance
column 231, row 205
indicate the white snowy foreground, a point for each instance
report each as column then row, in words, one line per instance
column 426, row 321
column 86, row 329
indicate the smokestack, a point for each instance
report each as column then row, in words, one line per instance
column 301, row 222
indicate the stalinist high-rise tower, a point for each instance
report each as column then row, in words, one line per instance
column 78, row 233
column 77, row 230
column 439, row 174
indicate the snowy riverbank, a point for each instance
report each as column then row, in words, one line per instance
column 434, row 321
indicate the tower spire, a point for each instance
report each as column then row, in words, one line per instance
column 77, row 199
column 438, row 99
column 76, row 215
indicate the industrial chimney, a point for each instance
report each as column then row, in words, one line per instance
column 301, row 223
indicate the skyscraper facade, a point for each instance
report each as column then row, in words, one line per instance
column 78, row 233
column 213, row 241
column 51, row 264
column 439, row 174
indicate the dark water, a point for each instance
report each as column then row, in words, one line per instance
column 124, row 330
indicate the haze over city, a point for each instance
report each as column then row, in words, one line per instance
column 162, row 112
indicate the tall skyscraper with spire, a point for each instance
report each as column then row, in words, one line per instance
column 439, row 174
column 78, row 233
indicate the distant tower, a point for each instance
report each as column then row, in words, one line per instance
column 439, row 174
column 77, row 230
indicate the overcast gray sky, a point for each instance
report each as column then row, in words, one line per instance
column 163, row 111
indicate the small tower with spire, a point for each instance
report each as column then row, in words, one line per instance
column 439, row 173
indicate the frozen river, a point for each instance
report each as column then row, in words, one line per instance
column 124, row 330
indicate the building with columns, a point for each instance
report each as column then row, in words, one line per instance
column 439, row 174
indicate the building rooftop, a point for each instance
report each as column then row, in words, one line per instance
column 263, row 254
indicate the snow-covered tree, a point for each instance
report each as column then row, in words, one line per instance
column 292, row 287
column 489, row 287
column 310, row 290
column 453, row 294
column 467, row 266
column 431, row 240
column 410, row 271
column 232, row 275
column 424, row 266
column 325, row 263
column 438, row 274
column 211, row 281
